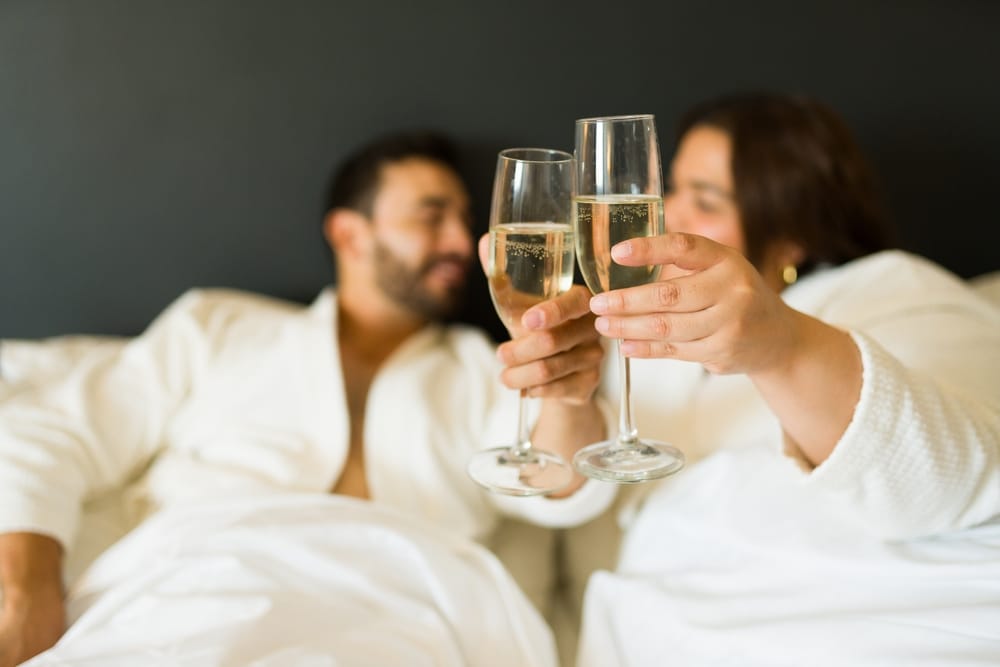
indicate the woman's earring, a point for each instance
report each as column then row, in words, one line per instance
column 789, row 274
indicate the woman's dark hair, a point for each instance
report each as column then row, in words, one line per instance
column 355, row 181
column 798, row 175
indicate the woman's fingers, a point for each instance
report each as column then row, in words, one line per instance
column 688, row 251
column 721, row 315
column 687, row 291
column 686, row 294
column 667, row 327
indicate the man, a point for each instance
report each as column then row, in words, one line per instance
column 360, row 394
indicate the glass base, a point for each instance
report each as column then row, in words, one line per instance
column 507, row 471
column 628, row 463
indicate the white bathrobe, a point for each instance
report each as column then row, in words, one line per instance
column 234, row 394
column 888, row 553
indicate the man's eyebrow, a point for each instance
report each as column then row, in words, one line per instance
column 438, row 204
column 433, row 201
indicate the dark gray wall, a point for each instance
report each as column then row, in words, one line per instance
column 146, row 147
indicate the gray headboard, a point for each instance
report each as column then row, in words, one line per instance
column 149, row 146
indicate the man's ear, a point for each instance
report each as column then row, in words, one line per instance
column 346, row 231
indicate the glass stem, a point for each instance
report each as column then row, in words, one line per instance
column 627, row 432
column 523, row 445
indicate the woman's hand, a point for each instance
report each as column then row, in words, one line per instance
column 714, row 308
column 711, row 306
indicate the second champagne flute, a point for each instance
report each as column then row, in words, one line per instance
column 530, row 261
column 619, row 196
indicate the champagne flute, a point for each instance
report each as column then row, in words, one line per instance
column 618, row 196
column 530, row 261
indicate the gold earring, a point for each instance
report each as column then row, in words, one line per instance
column 789, row 274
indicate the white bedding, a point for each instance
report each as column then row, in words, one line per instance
column 297, row 580
column 734, row 563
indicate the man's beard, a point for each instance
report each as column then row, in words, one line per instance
column 405, row 285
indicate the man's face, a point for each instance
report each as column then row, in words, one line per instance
column 422, row 239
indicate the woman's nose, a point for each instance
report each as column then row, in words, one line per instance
column 674, row 217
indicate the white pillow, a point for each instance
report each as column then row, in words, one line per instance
column 36, row 360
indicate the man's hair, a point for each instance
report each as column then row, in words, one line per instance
column 355, row 181
column 799, row 175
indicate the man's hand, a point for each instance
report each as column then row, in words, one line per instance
column 555, row 351
column 33, row 616
column 556, row 355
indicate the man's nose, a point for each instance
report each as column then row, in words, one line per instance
column 456, row 236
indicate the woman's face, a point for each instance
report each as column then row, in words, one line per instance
column 700, row 198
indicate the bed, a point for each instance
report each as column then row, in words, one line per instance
column 315, row 580
column 305, row 579
column 297, row 579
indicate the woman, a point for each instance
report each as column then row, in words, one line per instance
column 841, row 419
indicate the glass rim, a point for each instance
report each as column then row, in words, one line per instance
column 556, row 155
column 615, row 119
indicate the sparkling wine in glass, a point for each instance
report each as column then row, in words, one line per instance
column 618, row 196
column 530, row 261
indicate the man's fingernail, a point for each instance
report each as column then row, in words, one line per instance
column 598, row 303
column 533, row 319
column 602, row 325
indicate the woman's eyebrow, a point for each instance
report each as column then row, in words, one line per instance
column 705, row 186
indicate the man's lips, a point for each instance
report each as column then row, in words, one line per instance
column 448, row 271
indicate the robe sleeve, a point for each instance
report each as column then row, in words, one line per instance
column 67, row 438
column 921, row 454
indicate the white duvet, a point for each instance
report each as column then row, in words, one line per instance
column 297, row 580
column 734, row 563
